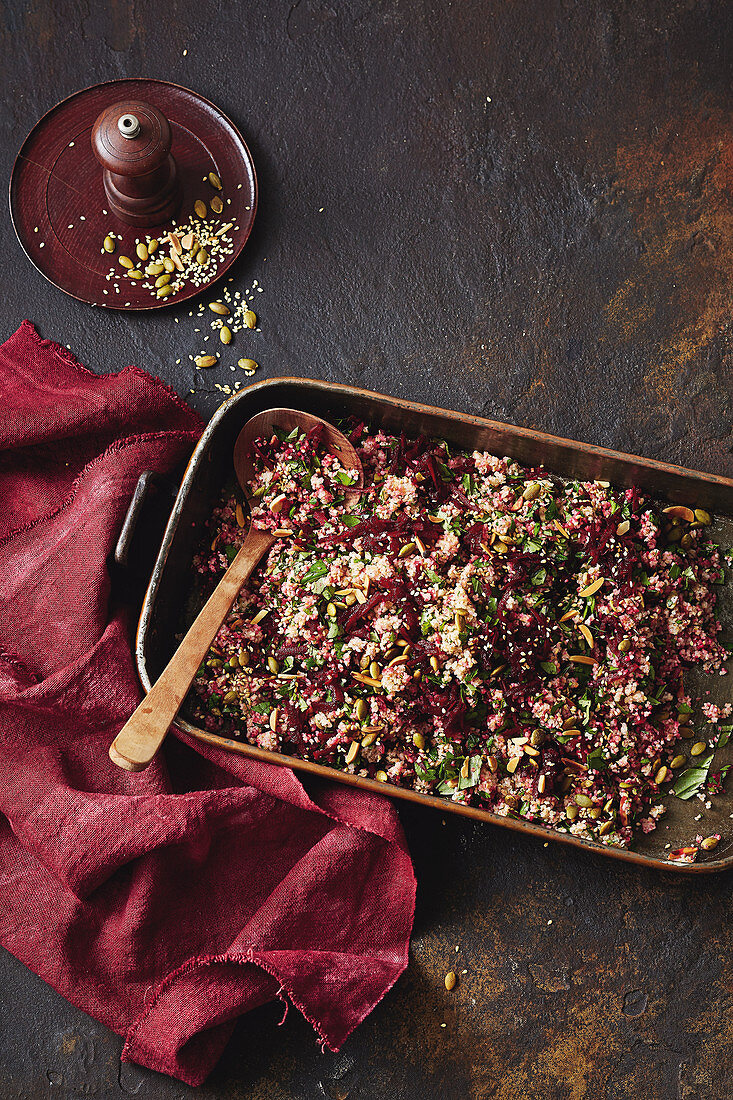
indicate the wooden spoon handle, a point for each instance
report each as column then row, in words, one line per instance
column 142, row 735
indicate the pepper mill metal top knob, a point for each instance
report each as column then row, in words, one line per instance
column 132, row 142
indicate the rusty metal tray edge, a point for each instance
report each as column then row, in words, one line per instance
column 709, row 489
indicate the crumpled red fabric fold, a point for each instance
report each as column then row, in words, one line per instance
column 166, row 903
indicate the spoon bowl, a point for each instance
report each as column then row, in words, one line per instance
column 142, row 735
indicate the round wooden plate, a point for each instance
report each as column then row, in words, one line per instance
column 58, row 205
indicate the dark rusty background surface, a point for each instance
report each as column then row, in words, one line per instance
column 517, row 207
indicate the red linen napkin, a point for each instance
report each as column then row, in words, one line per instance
column 166, row 903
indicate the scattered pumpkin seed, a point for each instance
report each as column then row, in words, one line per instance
column 418, row 741
column 215, row 181
column 243, row 658
column 434, row 663
column 239, row 514
column 678, row 761
column 605, row 828
column 710, row 842
column 623, row 527
column 369, row 739
column 142, row 251
column 450, row 980
column 532, row 491
column 202, row 360
column 153, row 245
column 219, row 308
column 199, row 209
column 248, row 365
column 216, row 205
column 168, row 264
column 202, row 257
column 135, row 274
column 331, row 610
column 274, row 665
column 163, row 279
column 125, row 261
column 571, row 812
column 249, row 318
column 109, row 244
column 406, row 549
column 154, row 269
column 230, row 697
column 583, row 800
column 661, row 775
column 698, row 748
column 361, row 709
column 381, row 777
column 374, row 670
column 703, row 517
column 163, row 292
column 624, row 645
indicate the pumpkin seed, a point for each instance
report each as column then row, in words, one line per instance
column 274, row 665
column 154, row 269
column 352, row 753
column 583, row 800
column 434, row 663
column 125, row 261
column 697, row 748
column 243, row 658
column 168, row 264
column 364, row 661
column 381, row 777
column 501, row 547
column 230, row 697
column 202, row 257
column 623, row 527
column 163, row 279
column 595, row 813
column 199, row 209
column 361, row 709
column 675, row 535
column 532, row 491
column 687, row 732
column 406, row 549
column 703, row 517
column 142, row 251
column 239, row 514
column 605, row 828
column 374, row 670
column 109, row 244
column 219, row 308
column 661, row 775
column 249, row 318
column 678, row 761
column 153, row 245
column 216, row 204
column 163, row 291
column 331, row 610
column 710, row 842
column 418, row 741
column 135, row 275
column 624, row 645
column 215, row 181
column 203, row 360
column 450, row 980
column 571, row 812
column 249, row 365
column 369, row 739
column 592, row 588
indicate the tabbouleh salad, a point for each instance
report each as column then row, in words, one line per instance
column 467, row 627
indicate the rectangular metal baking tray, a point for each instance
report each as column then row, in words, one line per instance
column 211, row 467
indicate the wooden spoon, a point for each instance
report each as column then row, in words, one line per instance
column 142, row 735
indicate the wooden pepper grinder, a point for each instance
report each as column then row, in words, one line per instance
column 132, row 142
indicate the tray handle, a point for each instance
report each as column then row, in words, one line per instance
column 142, row 527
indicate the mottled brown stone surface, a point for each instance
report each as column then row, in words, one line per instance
column 518, row 207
